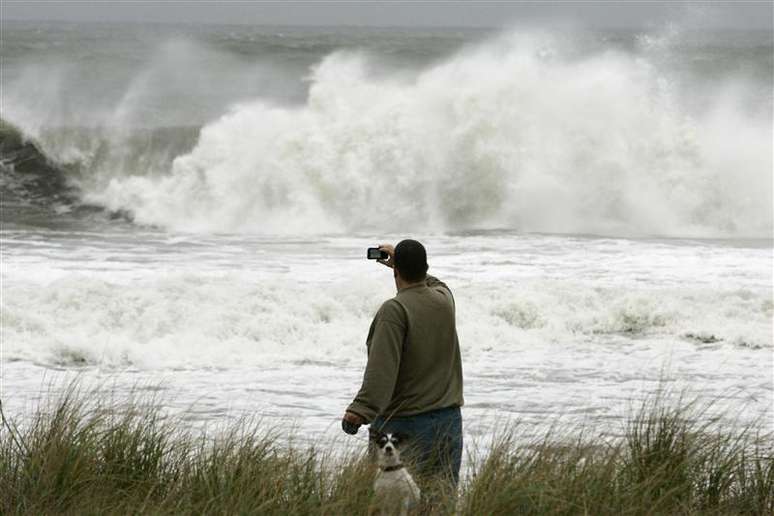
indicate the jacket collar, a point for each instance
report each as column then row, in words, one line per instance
column 413, row 286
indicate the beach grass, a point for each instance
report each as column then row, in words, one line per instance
column 81, row 454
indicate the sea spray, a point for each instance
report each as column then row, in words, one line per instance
column 614, row 133
column 509, row 134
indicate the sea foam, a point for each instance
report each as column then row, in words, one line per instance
column 183, row 321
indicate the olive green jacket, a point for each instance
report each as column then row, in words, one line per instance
column 414, row 362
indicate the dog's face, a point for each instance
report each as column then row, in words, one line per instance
column 387, row 445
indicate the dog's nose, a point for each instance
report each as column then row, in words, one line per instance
column 388, row 451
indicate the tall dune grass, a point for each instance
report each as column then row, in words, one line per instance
column 78, row 455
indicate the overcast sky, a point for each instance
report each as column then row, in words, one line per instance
column 755, row 14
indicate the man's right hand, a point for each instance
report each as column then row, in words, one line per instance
column 351, row 422
column 390, row 250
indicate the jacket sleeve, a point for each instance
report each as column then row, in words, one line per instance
column 385, row 347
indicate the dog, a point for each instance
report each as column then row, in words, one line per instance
column 394, row 488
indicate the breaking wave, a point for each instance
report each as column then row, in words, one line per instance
column 518, row 133
column 27, row 173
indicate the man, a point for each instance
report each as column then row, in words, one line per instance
column 413, row 379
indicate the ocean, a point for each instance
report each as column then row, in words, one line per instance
column 185, row 211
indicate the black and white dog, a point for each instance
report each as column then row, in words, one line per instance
column 395, row 490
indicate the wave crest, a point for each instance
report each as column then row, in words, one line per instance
column 507, row 135
column 523, row 132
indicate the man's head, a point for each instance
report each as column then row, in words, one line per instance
column 410, row 262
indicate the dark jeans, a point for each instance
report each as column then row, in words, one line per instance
column 434, row 440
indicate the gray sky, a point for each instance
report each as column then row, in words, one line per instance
column 752, row 14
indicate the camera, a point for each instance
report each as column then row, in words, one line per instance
column 374, row 253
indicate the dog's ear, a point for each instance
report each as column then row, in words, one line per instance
column 374, row 434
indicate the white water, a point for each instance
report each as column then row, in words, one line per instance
column 509, row 134
column 230, row 302
column 550, row 326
